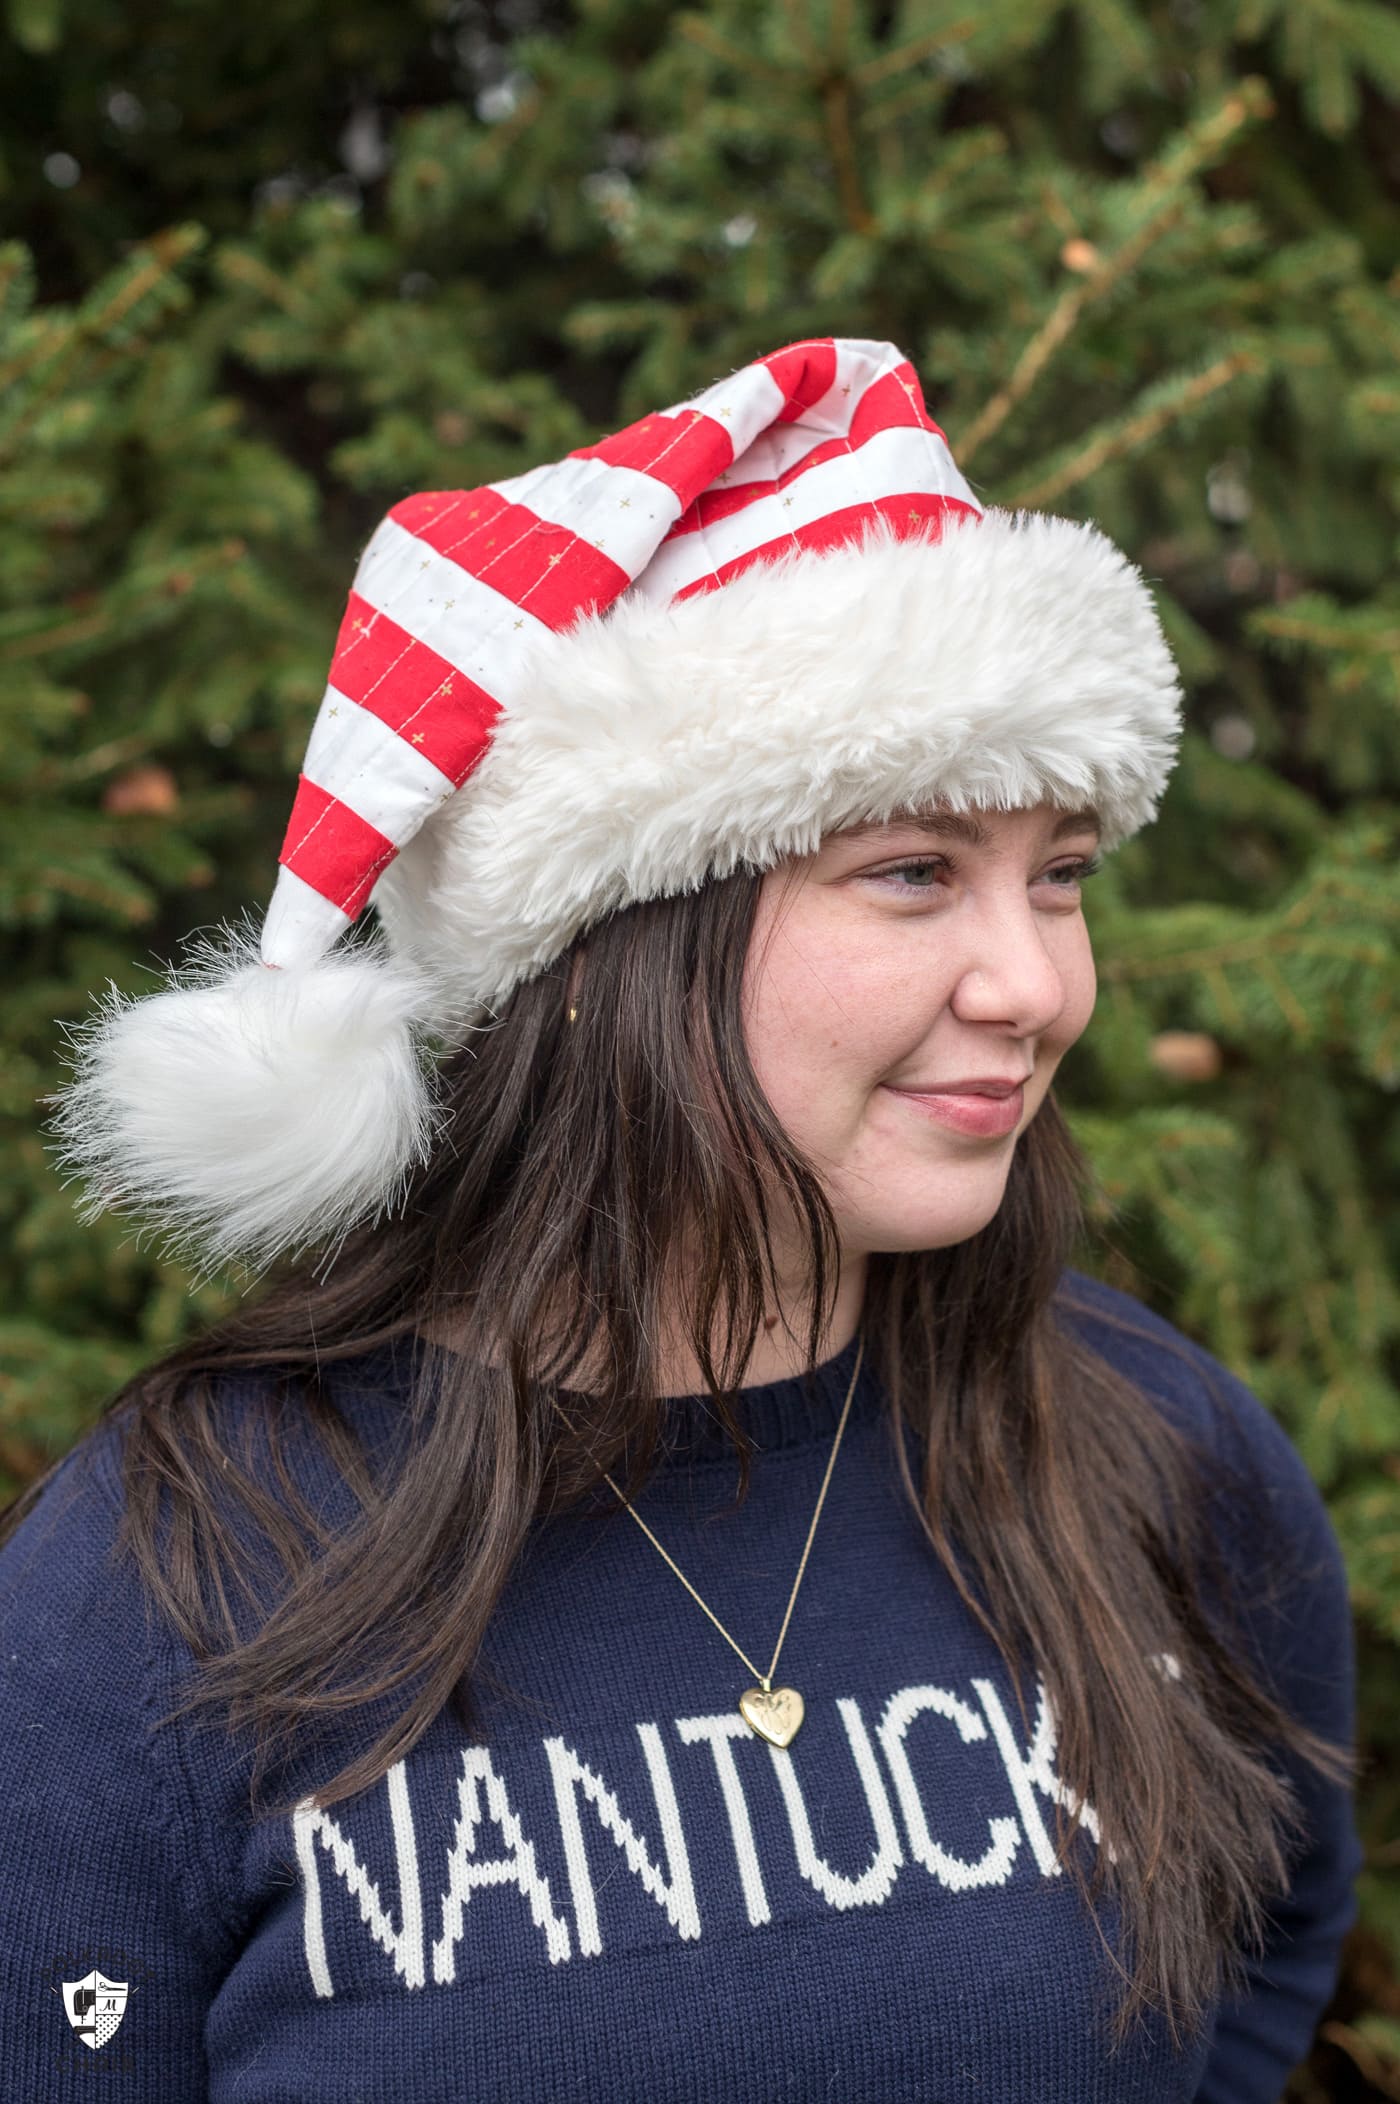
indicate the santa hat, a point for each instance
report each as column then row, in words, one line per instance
column 767, row 612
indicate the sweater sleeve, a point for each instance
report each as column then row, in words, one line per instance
column 1279, row 1543
column 98, row 1890
column 1299, row 1620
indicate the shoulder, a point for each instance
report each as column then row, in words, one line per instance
column 70, row 1584
column 239, row 1456
column 74, row 1653
column 63, row 1546
column 1199, row 1393
column 1266, row 1515
column 74, row 1614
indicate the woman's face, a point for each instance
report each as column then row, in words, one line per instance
column 906, row 958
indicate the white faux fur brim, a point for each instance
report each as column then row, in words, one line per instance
column 1016, row 660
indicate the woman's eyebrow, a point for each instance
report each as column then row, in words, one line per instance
column 960, row 825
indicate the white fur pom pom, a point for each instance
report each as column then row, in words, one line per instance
column 245, row 1110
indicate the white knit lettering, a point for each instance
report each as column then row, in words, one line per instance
column 718, row 1732
column 1035, row 1770
column 674, row 1892
column 875, row 1883
column 465, row 1870
column 404, row 1944
column 993, row 1868
column 663, row 1867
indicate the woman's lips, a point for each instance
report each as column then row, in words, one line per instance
column 982, row 1117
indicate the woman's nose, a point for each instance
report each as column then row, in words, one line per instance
column 1011, row 970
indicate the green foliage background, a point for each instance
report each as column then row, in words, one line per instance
column 267, row 270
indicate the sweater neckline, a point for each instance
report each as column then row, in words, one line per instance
column 796, row 1410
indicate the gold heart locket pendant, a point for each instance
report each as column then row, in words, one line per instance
column 774, row 1713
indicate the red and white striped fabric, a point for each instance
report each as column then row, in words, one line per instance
column 802, row 449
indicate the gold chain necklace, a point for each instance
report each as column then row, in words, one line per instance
column 774, row 1713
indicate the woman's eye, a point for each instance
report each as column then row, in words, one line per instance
column 1075, row 872
column 922, row 875
column 918, row 875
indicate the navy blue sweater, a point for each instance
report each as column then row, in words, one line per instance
column 619, row 1891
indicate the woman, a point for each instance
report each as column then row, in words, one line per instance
column 726, row 791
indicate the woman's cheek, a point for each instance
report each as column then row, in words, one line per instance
column 1081, row 989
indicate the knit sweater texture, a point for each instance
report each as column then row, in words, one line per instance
column 616, row 1890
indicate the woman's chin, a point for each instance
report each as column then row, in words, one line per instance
column 921, row 1225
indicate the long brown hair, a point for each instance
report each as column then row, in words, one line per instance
column 546, row 1232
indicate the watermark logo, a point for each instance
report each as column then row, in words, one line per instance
column 95, row 2007
column 95, row 1984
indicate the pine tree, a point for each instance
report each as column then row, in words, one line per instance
column 1143, row 259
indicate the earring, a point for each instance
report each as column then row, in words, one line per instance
column 573, row 1012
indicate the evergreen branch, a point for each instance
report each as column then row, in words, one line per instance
column 1175, row 963
column 838, row 42
column 798, row 28
column 1054, row 207
column 96, row 760
column 696, row 29
column 38, row 640
column 61, row 334
column 1127, row 435
column 1213, row 1251
column 834, row 83
column 1290, row 1007
column 239, row 266
column 16, row 297
column 1297, row 628
column 877, row 117
column 1199, row 145
column 498, row 141
column 1223, row 995
column 163, row 254
column 1331, row 884
column 1312, row 1295
column 906, row 55
column 605, row 323
column 1161, row 202
column 16, row 276
column 1387, row 1063
column 132, row 904
column 836, row 103
column 965, row 152
column 1355, row 1235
